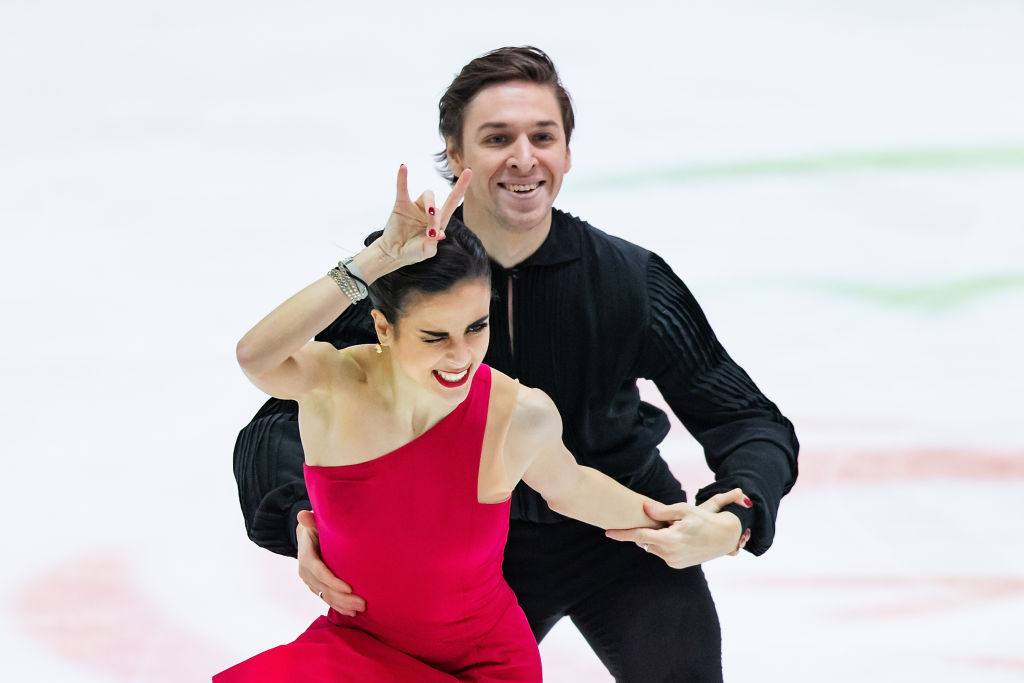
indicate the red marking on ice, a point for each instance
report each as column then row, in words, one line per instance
column 997, row 662
column 823, row 468
column 90, row 611
column 909, row 464
column 853, row 465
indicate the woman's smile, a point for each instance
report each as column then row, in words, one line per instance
column 451, row 379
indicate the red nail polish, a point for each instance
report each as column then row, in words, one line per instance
column 432, row 232
column 431, row 211
column 749, row 503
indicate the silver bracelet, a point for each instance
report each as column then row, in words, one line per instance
column 349, row 265
column 346, row 284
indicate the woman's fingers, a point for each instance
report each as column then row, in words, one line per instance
column 452, row 202
column 437, row 220
column 718, row 501
column 426, row 204
column 402, row 186
column 411, row 220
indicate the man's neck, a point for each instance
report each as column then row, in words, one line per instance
column 508, row 247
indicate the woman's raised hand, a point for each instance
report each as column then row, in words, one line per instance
column 414, row 228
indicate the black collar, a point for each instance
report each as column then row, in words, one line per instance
column 563, row 243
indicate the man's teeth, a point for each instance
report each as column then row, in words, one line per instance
column 449, row 377
column 523, row 188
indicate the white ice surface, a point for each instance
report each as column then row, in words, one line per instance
column 171, row 170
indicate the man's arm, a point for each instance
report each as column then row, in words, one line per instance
column 748, row 443
column 268, row 454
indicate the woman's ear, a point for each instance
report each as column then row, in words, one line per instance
column 385, row 330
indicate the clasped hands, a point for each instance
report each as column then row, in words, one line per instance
column 694, row 534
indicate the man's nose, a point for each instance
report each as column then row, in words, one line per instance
column 522, row 157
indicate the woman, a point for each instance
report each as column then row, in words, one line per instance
column 417, row 422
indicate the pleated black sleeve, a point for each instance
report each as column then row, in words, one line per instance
column 268, row 453
column 746, row 439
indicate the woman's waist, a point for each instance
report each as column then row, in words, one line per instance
column 404, row 617
column 426, row 574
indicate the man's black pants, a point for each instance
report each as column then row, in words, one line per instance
column 647, row 622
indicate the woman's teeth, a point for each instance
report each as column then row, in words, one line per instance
column 452, row 377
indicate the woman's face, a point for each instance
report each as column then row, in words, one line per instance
column 441, row 339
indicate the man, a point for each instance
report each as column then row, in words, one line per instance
column 581, row 315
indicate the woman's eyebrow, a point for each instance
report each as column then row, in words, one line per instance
column 445, row 334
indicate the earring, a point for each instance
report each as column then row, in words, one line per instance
column 380, row 349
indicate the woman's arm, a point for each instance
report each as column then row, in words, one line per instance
column 268, row 453
column 276, row 354
column 569, row 488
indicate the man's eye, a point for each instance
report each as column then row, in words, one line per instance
column 496, row 139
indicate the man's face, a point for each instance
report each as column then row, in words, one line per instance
column 513, row 139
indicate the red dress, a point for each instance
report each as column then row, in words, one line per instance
column 407, row 532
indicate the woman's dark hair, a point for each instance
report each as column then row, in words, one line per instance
column 460, row 256
column 497, row 66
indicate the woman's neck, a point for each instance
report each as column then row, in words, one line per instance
column 412, row 407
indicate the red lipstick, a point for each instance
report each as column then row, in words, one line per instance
column 448, row 384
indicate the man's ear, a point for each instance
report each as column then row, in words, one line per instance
column 454, row 158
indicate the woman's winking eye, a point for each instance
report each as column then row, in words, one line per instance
column 475, row 328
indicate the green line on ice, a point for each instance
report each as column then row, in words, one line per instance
column 956, row 158
column 933, row 297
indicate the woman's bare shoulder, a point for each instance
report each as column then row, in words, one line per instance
column 535, row 414
column 527, row 402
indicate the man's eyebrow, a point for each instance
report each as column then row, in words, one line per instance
column 445, row 334
column 500, row 125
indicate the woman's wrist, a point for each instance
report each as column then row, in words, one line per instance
column 372, row 263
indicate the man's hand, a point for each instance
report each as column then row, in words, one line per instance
column 315, row 573
column 695, row 534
